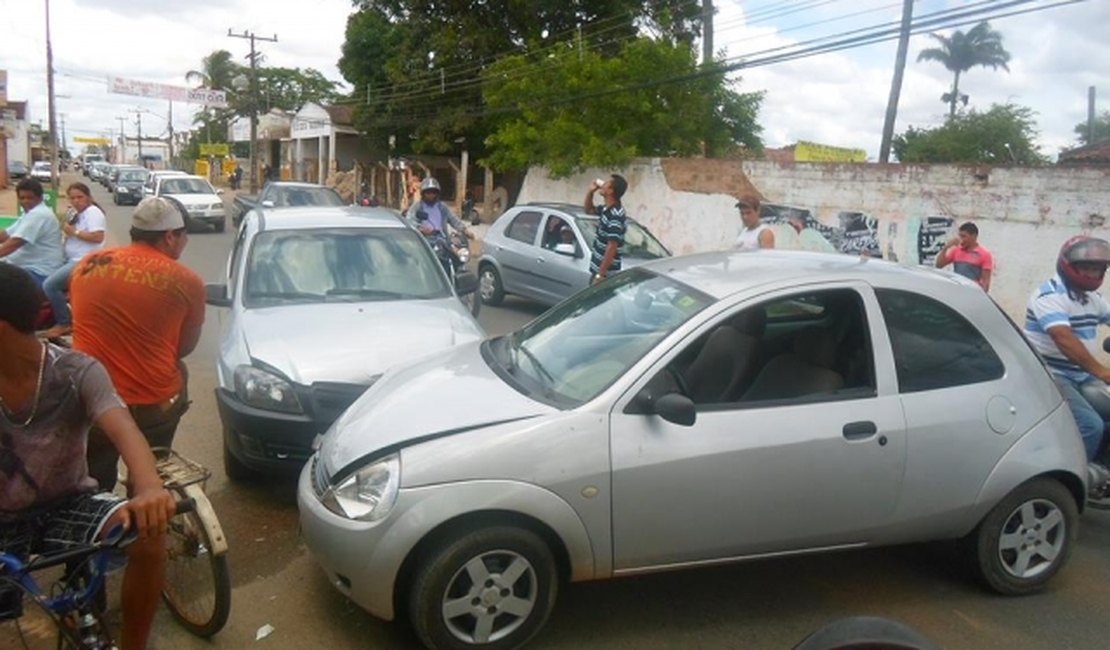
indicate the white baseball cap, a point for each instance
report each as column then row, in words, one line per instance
column 155, row 213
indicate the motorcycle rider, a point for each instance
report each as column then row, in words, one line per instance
column 431, row 215
column 1062, row 323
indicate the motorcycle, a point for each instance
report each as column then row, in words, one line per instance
column 1101, row 503
column 453, row 252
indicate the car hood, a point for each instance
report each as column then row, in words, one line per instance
column 190, row 200
column 352, row 342
column 443, row 394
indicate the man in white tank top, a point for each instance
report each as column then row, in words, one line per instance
column 754, row 234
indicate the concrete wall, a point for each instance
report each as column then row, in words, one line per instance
column 901, row 212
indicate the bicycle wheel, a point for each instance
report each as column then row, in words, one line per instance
column 198, row 588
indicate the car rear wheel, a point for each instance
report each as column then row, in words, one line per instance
column 489, row 285
column 1025, row 540
column 492, row 588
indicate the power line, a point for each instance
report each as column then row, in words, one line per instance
column 960, row 19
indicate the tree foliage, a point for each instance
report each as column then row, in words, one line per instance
column 980, row 46
column 1003, row 135
column 575, row 107
column 418, row 65
column 1101, row 132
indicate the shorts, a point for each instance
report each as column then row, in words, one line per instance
column 73, row 521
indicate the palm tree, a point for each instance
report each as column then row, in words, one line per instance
column 217, row 71
column 962, row 52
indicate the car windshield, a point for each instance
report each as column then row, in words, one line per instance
column 132, row 175
column 284, row 197
column 638, row 242
column 332, row 265
column 186, row 186
column 41, row 165
column 572, row 353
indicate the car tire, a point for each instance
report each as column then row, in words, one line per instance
column 235, row 469
column 490, row 288
column 1025, row 540
column 468, row 571
column 220, row 225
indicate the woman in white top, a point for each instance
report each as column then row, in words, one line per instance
column 84, row 233
column 755, row 234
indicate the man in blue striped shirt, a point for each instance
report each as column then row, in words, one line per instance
column 1062, row 324
column 606, row 256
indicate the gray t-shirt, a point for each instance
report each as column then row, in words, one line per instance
column 45, row 460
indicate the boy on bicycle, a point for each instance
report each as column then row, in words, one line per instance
column 49, row 398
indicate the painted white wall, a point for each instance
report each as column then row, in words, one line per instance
column 1024, row 214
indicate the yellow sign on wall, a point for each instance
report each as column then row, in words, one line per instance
column 813, row 152
column 218, row 149
column 200, row 168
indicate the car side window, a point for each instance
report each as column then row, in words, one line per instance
column 807, row 347
column 524, row 227
column 557, row 231
column 934, row 346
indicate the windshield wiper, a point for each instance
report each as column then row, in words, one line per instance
column 287, row 295
column 537, row 365
column 371, row 293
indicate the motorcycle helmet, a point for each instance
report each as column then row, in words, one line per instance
column 1078, row 250
column 429, row 184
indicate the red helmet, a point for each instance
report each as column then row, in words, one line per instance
column 1079, row 250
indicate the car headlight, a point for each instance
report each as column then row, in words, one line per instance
column 369, row 493
column 265, row 390
column 216, row 206
column 122, row 189
column 464, row 255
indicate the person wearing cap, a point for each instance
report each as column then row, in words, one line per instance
column 754, row 234
column 1061, row 323
column 139, row 311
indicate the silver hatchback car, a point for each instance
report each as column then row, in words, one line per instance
column 694, row 411
column 541, row 251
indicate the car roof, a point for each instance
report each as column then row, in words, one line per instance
column 572, row 209
column 313, row 217
column 298, row 184
column 723, row 273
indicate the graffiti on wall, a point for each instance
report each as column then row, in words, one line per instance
column 913, row 241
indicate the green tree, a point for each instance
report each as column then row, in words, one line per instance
column 291, row 88
column 417, row 65
column 1101, row 132
column 981, row 46
column 1004, row 134
column 575, row 108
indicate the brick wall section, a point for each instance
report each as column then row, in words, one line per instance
column 1024, row 214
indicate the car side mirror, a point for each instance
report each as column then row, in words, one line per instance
column 466, row 283
column 676, row 408
column 566, row 249
column 219, row 191
column 216, row 295
column 267, row 203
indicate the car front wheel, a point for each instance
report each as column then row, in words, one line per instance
column 489, row 285
column 1025, row 540
column 492, row 588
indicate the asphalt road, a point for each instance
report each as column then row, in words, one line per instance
column 770, row 604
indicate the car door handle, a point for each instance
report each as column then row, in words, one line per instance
column 860, row 430
column 539, row 260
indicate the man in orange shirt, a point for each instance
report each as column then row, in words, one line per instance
column 139, row 311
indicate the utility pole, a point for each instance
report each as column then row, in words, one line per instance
column 1091, row 115
column 254, row 101
column 122, row 141
column 706, row 32
column 169, row 125
column 896, row 82
column 139, row 124
column 51, row 99
column 62, row 118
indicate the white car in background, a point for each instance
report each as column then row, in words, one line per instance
column 196, row 194
column 40, row 171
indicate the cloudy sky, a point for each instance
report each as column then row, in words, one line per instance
column 837, row 99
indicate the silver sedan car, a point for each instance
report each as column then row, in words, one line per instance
column 541, row 251
column 321, row 302
column 689, row 412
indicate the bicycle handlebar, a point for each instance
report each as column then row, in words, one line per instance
column 116, row 537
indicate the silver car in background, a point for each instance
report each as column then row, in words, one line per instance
column 541, row 251
column 694, row 411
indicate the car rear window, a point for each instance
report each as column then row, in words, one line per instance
column 934, row 346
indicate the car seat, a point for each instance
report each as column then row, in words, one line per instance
column 805, row 371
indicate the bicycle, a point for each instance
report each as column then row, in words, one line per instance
column 198, row 586
column 74, row 603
